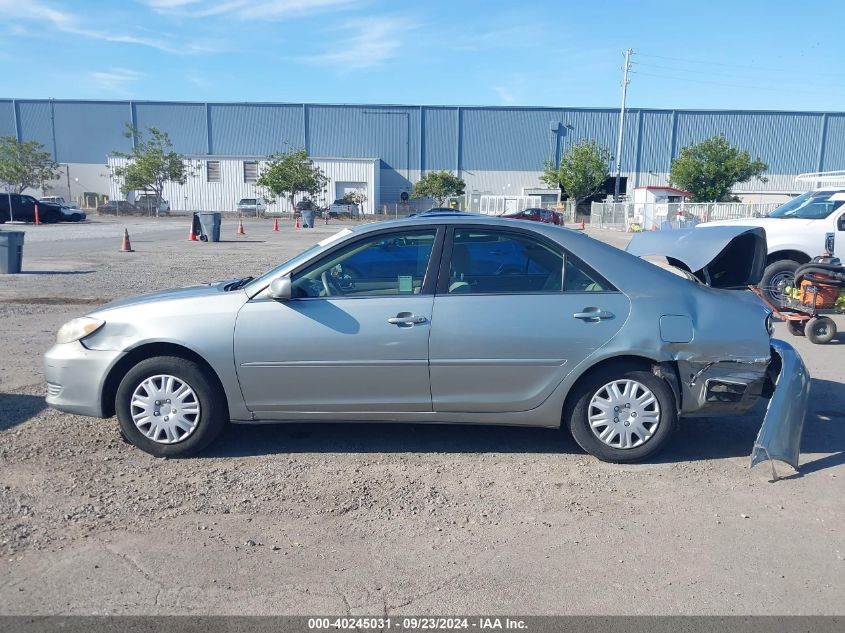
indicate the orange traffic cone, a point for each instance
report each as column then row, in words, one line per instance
column 297, row 224
column 126, row 247
column 192, row 237
column 276, row 225
column 241, row 227
column 582, row 224
column 37, row 219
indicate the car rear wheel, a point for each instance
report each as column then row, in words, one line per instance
column 621, row 415
column 777, row 277
column 169, row 407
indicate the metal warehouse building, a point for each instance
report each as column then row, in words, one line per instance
column 383, row 149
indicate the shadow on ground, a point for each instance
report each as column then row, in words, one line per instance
column 57, row 272
column 696, row 439
column 18, row 408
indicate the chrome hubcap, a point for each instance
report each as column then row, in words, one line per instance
column 624, row 414
column 165, row 409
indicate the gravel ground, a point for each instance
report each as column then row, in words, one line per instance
column 373, row 519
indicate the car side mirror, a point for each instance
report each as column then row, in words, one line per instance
column 840, row 223
column 281, row 289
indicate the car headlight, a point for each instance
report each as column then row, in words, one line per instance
column 78, row 329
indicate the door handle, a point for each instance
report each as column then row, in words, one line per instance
column 406, row 319
column 593, row 315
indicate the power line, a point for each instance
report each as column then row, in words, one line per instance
column 719, row 73
column 818, row 90
column 743, row 66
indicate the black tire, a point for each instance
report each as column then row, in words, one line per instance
column 213, row 410
column 820, row 330
column 796, row 328
column 52, row 217
column 578, row 413
column 775, row 276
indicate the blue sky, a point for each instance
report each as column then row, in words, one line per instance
column 744, row 54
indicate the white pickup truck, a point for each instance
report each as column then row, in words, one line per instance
column 796, row 232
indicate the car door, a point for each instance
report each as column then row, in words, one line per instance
column 504, row 336
column 352, row 338
column 838, row 235
column 25, row 210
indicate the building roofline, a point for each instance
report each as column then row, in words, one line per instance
column 300, row 104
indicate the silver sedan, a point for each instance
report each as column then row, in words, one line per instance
column 447, row 318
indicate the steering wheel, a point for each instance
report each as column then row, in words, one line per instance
column 330, row 285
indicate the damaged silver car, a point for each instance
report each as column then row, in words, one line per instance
column 447, row 318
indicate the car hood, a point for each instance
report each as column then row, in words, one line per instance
column 761, row 222
column 719, row 256
column 173, row 294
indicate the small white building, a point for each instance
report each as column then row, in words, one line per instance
column 217, row 184
column 654, row 205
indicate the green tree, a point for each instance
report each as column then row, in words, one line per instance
column 25, row 165
column 710, row 169
column 438, row 185
column 290, row 173
column 355, row 197
column 582, row 172
column 152, row 163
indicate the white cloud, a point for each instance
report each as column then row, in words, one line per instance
column 116, row 80
column 247, row 9
column 506, row 95
column 37, row 11
column 371, row 43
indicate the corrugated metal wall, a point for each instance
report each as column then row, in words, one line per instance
column 87, row 133
column 491, row 147
column 7, row 119
column 199, row 194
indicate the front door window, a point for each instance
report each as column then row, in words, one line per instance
column 383, row 265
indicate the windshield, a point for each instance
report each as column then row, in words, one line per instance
column 247, row 201
column 259, row 282
column 813, row 205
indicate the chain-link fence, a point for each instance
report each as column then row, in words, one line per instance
column 639, row 216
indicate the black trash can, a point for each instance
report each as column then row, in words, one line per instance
column 210, row 223
column 308, row 218
column 11, row 251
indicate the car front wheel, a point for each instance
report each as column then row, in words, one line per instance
column 622, row 416
column 170, row 407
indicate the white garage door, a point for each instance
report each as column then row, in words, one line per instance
column 342, row 188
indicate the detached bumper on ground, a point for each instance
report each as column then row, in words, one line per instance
column 780, row 436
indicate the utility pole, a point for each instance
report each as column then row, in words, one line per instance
column 618, row 158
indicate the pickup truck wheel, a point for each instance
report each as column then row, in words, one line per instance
column 622, row 416
column 169, row 407
column 776, row 278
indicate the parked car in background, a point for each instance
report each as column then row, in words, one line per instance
column 73, row 214
column 23, row 209
column 58, row 200
column 253, row 206
column 417, row 320
column 796, row 232
column 340, row 208
column 535, row 215
column 118, row 207
column 147, row 202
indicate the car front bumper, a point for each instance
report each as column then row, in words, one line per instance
column 75, row 377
